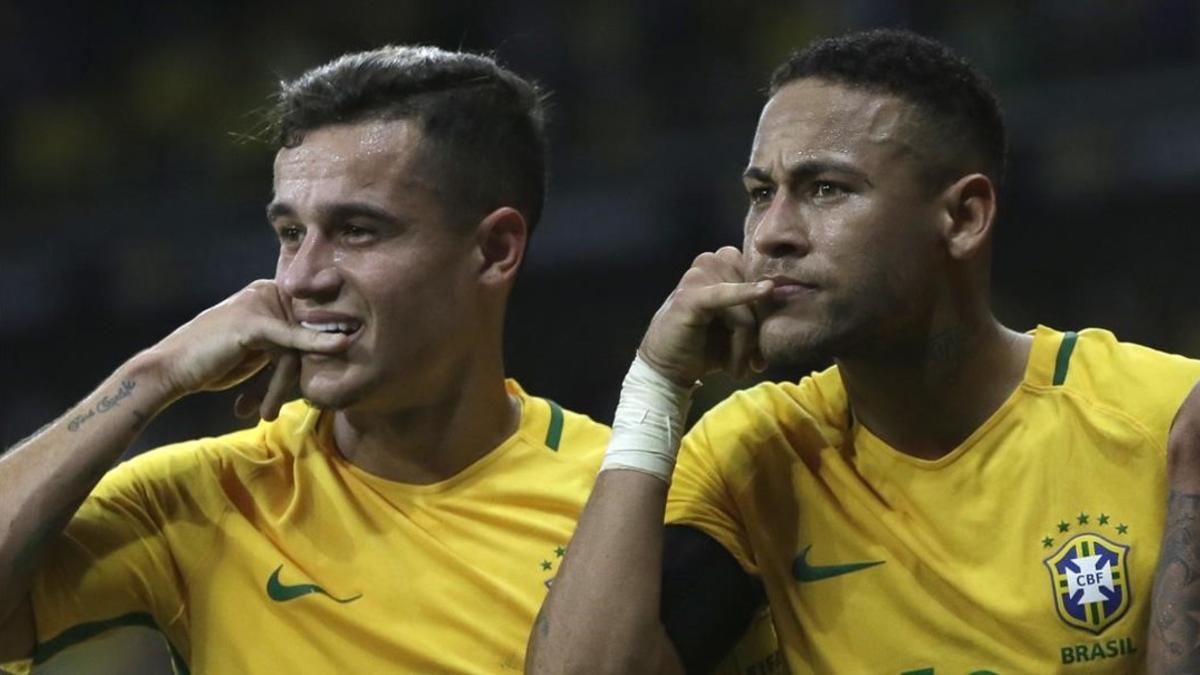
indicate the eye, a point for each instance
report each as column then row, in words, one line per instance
column 823, row 189
column 761, row 195
column 356, row 234
column 290, row 234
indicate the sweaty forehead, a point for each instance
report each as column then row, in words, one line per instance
column 363, row 152
column 812, row 117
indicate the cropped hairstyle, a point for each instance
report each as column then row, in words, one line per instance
column 483, row 127
column 956, row 99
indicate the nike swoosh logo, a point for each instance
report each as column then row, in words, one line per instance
column 281, row 592
column 805, row 572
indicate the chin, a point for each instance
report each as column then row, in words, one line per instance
column 788, row 341
column 329, row 393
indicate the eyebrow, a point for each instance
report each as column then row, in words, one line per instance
column 336, row 212
column 807, row 169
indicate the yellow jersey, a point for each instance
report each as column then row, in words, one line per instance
column 265, row 551
column 1030, row 548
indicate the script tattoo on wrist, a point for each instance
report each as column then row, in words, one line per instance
column 105, row 404
column 1175, row 623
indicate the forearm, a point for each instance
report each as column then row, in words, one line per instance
column 1174, row 640
column 45, row 477
column 1174, row 645
column 602, row 613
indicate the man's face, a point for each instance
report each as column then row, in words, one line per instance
column 841, row 218
column 367, row 247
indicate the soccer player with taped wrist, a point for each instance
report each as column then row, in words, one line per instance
column 951, row 496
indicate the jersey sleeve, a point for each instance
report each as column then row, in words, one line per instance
column 112, row 565
column 706, row 480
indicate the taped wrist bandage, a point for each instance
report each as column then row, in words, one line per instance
column 648, row 423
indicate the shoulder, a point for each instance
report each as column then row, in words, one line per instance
column 1099, row 361
column 1142, row 383
column 1093, row 362
column 767, row 426
column 188, row 465
column 565, row 432
column 815, row 405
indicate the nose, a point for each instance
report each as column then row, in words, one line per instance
column 311, row 270
column 779, row 231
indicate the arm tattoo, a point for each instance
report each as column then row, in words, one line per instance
column 1175, row 622
column 106, row 403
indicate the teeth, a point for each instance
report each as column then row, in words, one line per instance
column 331, row 327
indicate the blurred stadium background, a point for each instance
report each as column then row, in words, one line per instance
column 132, row 191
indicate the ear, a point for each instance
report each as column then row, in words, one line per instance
column 500, row 239
column 970, row 211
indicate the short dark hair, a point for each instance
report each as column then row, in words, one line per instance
column 955, row 96
column 484, row 124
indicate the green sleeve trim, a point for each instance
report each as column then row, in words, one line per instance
column 1064, row 357
column 86, row 631
column 554, row 433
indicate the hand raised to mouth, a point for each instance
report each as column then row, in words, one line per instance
column 230, row 342
column 707, row 323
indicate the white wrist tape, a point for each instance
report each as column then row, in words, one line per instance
column 648, row 423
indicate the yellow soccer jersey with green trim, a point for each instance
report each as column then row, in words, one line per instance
column 1028, row 549
column 265, row 551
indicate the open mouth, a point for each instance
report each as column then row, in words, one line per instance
column 335, row 327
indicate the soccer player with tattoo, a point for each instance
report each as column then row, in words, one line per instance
column 409, row 513
column 1175, row 612
column 951, row 496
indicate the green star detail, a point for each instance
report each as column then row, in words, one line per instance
column 546, row 565
column 1122, row 528
column 559, row 552
column 1083, row 519
column 1063, row 526
column 1103, row 519
column 1047, row 542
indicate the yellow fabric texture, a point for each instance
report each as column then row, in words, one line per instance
column 878, row 562
column 265, row 551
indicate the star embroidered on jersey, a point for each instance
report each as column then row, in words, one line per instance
column 546, row 565
column 1047, row 542
column 559, row 552
column 1103, row 519
column 1064, row 526
column 1122, row 528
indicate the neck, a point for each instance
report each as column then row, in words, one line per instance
column 436, row 439
column 927, row 397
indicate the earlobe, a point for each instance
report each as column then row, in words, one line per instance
column 501, row 238
column 970, row 212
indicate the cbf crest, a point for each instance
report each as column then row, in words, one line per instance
column 1090, row 578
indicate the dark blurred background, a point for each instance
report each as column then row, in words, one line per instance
column 132, row 193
